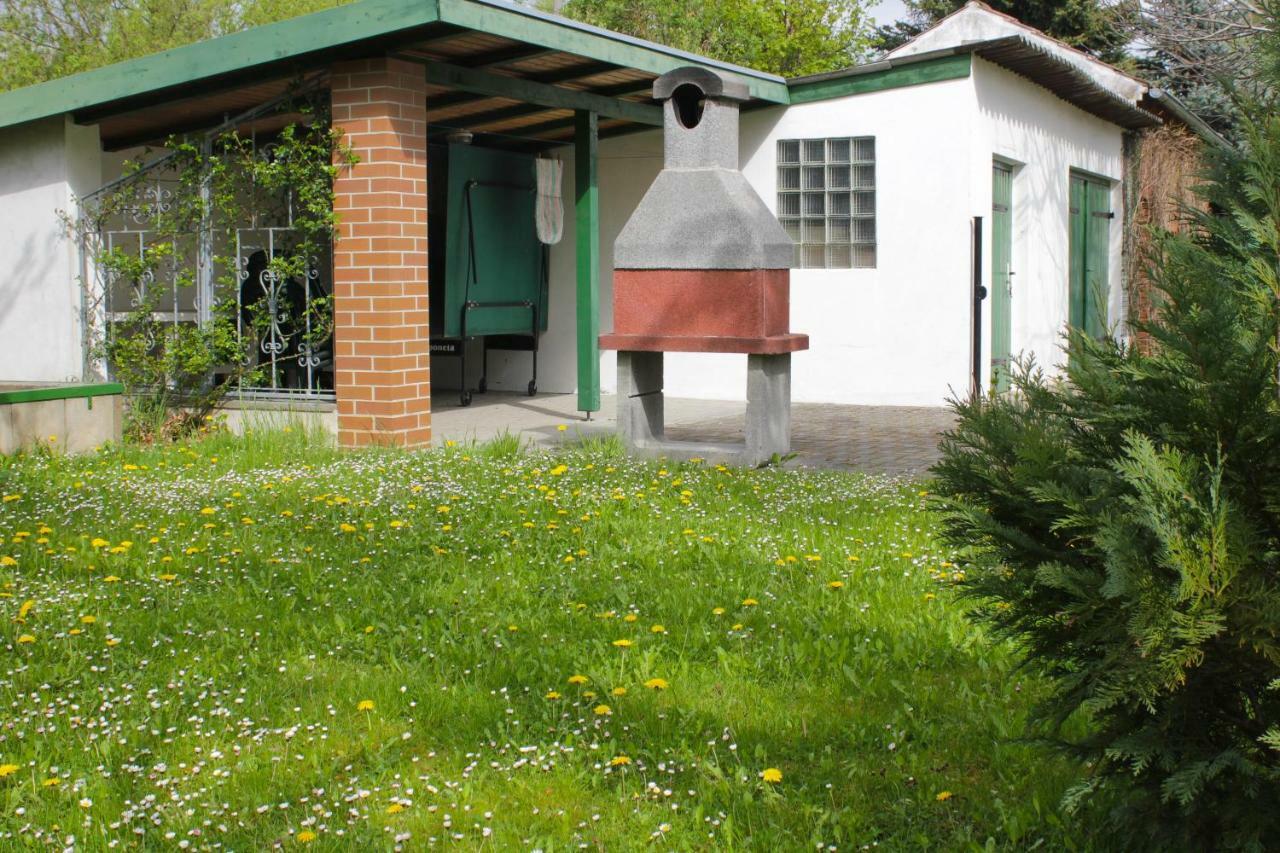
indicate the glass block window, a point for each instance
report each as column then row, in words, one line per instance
column 827, row 200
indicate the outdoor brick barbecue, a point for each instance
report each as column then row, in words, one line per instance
column 703, row 266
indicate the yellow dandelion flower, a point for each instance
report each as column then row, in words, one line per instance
column 8, row 770
column 395, row 808
column 305, row 837
column 368, row 629
column 75, row 632
column 347, row 528
column 749, row 602
column 577, row 679
column 167, row 577
column 619, row 761
column 364, row 705
column 111, row 579
column 562, row 427
column 772, row 775
column 630, row 617
column 717, row 611
column 51, row 782
column 6, row 560
column 99, row 543
column 26, row 639
column 553, row 694
column 113, row 641
column 208, row 510
column 657, row 684
column 25, row 609
column 657, row 629
column 602, row 710
column 835, row 585
column 943, row 796
column 619, row 691
column 624, row 643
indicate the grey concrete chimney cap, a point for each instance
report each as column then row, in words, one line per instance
column 713, row 84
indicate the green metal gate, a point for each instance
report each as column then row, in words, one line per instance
column 1001, row 274
column 1090, row 285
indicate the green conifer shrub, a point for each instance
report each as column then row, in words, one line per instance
column 1123, row 524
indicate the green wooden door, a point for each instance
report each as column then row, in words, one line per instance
column 1090, row 237
column 1001, row 274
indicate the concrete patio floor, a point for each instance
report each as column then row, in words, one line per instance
column 893, row 440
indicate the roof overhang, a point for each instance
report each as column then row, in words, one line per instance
column 1015, row 53
column 492, row 67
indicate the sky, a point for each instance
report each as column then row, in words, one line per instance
column 887, row 11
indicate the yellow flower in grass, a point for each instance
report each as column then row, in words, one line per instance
column 25, row 609
column 619, row 761
column 8, row 770
column 207, row 510
column 943, row 796
column 618, row 691
column 395, row 808
column 835, row 585
column 51, row 782
column 26, row 639
column 553, row 694
column 364, row 705
column 624, row 643
column 167, row 577
column 305, row 837
column 602, row 710
column 113, row 641
column 772, row 775
column 749, row 602
column 347, row 528
column 717, row 611
column 657, row 629
column 6, row 560
column 99, row 543
column 111, row 579
column 657, row 684
column 577, row 679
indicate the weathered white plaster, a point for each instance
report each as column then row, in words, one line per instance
column 44, row 166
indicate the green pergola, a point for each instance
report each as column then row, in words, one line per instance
column 512, row 75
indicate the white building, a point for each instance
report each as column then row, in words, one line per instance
column 884, row 173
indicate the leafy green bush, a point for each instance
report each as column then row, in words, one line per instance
column 1124, row 528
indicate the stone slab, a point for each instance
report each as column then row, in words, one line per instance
column 673, row 343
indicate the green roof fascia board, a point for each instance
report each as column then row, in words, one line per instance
column 60, row 392
column 542, row 94
column 871, row 79
column 227, row 54
column 529, row 25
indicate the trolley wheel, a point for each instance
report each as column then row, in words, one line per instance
column 484, row 385
column 533, row 387
column 466, row 398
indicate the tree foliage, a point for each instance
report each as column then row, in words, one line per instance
column 1093, row 26
column 1124, row 527
column 45, row 39
column 789, row 37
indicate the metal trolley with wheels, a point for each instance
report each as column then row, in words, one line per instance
column 495, row 342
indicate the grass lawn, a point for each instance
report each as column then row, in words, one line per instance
column 245, row 643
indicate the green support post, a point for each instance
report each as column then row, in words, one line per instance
column 585, row 150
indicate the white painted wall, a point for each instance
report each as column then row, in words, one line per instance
column 44, row 166
column 1047, row 138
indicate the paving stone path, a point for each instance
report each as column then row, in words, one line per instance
column 892, row 440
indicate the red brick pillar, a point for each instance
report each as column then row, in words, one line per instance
column 381, row 337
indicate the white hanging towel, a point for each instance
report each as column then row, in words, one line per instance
column 550, row 209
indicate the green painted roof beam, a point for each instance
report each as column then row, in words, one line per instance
column 860, row 81
column 529, row 25
column 228, row 54
column 499, row 86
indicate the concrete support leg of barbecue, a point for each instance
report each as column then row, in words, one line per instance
column 640, row 409
column 768, row 426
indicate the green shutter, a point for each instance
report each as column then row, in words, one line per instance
column 1090, row 251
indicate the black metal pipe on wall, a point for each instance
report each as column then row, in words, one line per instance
column 979, row 293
